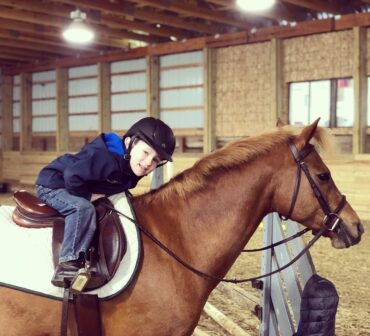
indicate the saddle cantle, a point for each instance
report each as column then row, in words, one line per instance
column 108, row 245
column 32, row 213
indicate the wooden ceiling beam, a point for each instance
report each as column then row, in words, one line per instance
column 57, row 45
column 277, row 13
column 43, row 31
column 6, row 63
column 317, row 5
column 61, row 23
column 196, row 11
column 19, row 43
column 25, row 52
column 126, row 10
column 4, row 54
column 63, row 11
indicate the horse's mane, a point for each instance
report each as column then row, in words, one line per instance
column 232, row 155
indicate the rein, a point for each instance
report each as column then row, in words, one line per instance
column 331, row 222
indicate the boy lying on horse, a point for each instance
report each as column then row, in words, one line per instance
column 106, row 166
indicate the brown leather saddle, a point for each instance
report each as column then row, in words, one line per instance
column 108, row 245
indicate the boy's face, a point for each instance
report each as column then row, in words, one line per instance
column 144, row 159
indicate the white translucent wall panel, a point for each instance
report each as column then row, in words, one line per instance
column 181, row 77
column 16, row 80
column 320, row 102
column 128, row 101
column 83, row 86
column 83, row 104
column 345, row 103
column 83, row 123
column 16, row 109
column 181, row 97
column 308, row 101
column 16, row 125
column 183, row 119
column 183, row 58
column 89, row 70
column 43, row 107
column 47, row 90
column 123, row 121
column 16, row 93
column 128, row 82
column 299, row 103
column 44, row 124
column 44, row 76
column 125, row 66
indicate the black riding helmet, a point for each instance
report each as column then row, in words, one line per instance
column 156, row 134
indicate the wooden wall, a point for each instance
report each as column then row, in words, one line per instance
column 246, row 90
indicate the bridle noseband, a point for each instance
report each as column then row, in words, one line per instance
column 331, row 221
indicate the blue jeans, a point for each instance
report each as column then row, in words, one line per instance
column 80, row 220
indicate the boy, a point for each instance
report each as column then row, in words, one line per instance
column 106, row 166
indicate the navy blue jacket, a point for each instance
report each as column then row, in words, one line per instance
column 99, row 168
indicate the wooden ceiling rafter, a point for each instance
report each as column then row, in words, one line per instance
column 138, row 13
column 93, row 17
column 60, row 23
column 33, row 27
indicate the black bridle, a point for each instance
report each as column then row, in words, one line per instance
column 331, row 221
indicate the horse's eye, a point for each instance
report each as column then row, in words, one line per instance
column 324, row 176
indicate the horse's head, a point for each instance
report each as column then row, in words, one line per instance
column 307, row 193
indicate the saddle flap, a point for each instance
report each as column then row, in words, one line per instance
column 111, row 239
column 108, row 245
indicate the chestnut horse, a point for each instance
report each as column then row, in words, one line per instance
column 206, row 215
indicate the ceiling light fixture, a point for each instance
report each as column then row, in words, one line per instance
column 78, row 31
column 255, row 5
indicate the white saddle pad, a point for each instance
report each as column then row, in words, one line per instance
column 26, row 261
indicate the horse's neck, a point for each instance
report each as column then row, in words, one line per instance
column 213, row 225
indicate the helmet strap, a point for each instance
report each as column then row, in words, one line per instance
column 127, row 155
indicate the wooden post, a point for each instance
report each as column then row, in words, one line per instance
column 277, row 82
column 152, row 91
column 224, row 321
column 209, row 131
column 26, row 113
column 7, row 97
column 360, row 90
column 104, row 84
column 199, row 332
column 62, row 110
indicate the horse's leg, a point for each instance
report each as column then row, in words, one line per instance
column 28, row 314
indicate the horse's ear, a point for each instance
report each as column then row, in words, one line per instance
column 306, row 135
column 279, row 123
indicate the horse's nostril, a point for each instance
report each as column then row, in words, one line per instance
column 360, row 228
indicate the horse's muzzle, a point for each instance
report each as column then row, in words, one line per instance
column 350, row 237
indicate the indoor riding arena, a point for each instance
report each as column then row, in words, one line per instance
column 282, row 91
